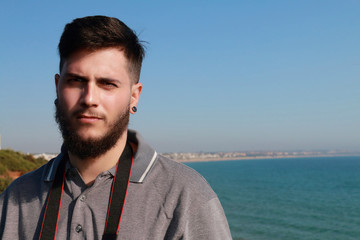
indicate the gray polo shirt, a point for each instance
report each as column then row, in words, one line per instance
column 165, row 200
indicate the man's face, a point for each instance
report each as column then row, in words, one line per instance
column 95, row 95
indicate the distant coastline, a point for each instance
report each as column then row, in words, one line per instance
column 215, row 159
column 235, row 156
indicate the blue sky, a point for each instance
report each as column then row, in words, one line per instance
column 218, row 75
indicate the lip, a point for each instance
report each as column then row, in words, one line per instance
column 88, row 118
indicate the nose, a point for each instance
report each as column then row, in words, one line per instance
column 90, row 95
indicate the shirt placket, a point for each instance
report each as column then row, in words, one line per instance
column 80, row 219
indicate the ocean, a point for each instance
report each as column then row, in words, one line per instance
column 296, row 198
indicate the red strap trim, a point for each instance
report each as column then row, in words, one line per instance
column 111, row 194
column 127, row 187
column 47, row 203
column 58, row 215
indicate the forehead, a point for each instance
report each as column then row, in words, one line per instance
column 103, row 61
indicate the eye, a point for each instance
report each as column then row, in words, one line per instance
column 76, row 80
column 108, row 84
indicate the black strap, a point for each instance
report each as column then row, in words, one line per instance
column 118, row 194
column 116, row 200
column 53, row 204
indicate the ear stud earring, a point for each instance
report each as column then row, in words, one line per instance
column 134, row 109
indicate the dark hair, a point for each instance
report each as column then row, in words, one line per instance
column 98, row 32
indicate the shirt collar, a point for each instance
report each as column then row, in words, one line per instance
column 144, row 160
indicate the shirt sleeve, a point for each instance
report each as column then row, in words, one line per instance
column 207, row 222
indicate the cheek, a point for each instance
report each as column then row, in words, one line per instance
column 117, row 103
column 69, row 98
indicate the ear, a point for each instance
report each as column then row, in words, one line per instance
column 135, row 95
column 57, row 80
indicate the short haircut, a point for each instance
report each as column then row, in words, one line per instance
column 99, row 32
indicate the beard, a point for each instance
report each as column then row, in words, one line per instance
column 93, row 147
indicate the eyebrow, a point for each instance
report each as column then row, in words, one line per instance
column 67, row 75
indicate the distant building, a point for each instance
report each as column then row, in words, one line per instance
column 47, row 156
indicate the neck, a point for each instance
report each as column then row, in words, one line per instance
column 90, row 168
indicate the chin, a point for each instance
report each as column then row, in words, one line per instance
column 89, row 136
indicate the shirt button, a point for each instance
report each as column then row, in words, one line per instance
column 82, row 198
column 78, row 228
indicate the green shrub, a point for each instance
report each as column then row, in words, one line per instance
column 16, row 161
column 4, row 183
column 3, row 169
column 40, row 161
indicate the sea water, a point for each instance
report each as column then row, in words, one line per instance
column 295, row 198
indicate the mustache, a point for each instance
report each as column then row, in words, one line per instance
column 88, row 113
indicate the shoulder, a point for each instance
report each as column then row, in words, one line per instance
column 27, row 185
column 23, row 200
column 189, row 201
column 180, row 179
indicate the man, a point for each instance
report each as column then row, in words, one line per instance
column 106, row 183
